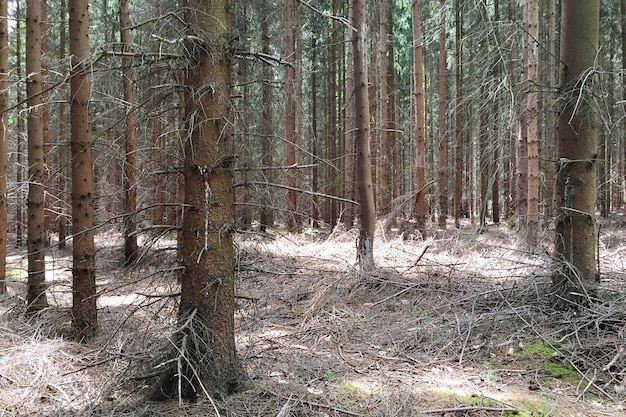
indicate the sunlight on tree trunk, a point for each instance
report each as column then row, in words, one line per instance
column 85, row 316
column 36, row 242
column 365, row 245
column 205, row 357
column 576, row 234
column 420, row 123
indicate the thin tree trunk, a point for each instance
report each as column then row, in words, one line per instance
column 267, row 215
column 576, row 237
column 530, row 119
column 20, row 221
column 62, row 140
column 443, row 134
column 4, row 148
column 365, row 244
column 313, row 208
column 85, row 317
column 290, row 121
column 36, row 295
column 331, row 140
column 130, row 160
column 458, row 115
column 420, row 123
column 348, row 133
column 386, row 150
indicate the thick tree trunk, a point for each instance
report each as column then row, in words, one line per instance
column 4, row 98
column 576, row 234
column 420, row 123
column 85, row 317
column 130, row 162
column 365, row 244
column 36, row 242
column 205, row 338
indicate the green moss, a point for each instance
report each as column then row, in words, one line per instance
column 348, row 391
column 539, row 349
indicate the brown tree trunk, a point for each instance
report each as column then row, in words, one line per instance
column 420, row 123
column 313, row 207
column 290, row 121
column 331, row 139
column 576, row 237
column 204, row 341
column 62, row 140
column 530, row 116
column 4, row 98
column 384, row 188
column 85, row 317
column 20, row 221
column 365, row 244
column 36, row 295
column 495, row 163
column 551, row 120
column 45, row 120
column 458, row 120
column 130, row 161
column 443, row 134
column 348, row 133
column 267, row 214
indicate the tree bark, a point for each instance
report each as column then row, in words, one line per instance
column 443, row 134
column 267, row 215
column 420, row 123
column 62, row 140
column 130, row 160
column 365, row 244
column 4, row 98
column 205, row 338
column 290, row 121
column 19, row 215
column 458, row 119
column 576, row 234
column 85, row 317
column 36, row 242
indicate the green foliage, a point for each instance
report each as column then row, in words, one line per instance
column 539, row 349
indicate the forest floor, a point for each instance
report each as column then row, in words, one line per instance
column 455, row 324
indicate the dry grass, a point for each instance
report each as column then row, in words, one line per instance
column 455, row 324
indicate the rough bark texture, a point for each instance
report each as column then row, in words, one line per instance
column 458, row 121
column 85, row 317
column 290, row 121
column 384, row 189
column 130, row 163
column 443, row 134
column 531, row 117
column 4, row 96
column 62, row 140
column 347, row 213
column 267, row 215
column 36, row 242
column 19, row 215
column 365, row 244
column 205, row 339
column 420, row 123
column 576, row 237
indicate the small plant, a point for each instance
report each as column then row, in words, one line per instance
column 490, row 377
column 328, row 375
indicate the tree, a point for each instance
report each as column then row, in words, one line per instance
column 443, row 137
column 4, row 97
column 420, row 122
column 130, row 165
column 35, row 237
column 84, row 312
column 576, row 237
column 205, row 337
column 290, row 121
column 62, row 140
column 365, row 244
column 458, row 119
column 530, row 119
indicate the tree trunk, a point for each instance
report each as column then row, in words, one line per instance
column 267, row 215
column 331, row 138
column 290, row 121
column 530, row 116
column 19, row 228
column 576, row 235
column 4, row 98
column 205, row 338
column 420, row 123
column 62, row 140
column 130, row 162
column 36, row 295
column 348, row 133
column 365, row 244
column 385, row 189
column 313, row 207
column 458, row 120
column 443, row 134
column 85, row 317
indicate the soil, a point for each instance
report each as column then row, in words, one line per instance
column 458, row 323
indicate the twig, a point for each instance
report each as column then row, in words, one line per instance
column 314, row 404
column 467, row 409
